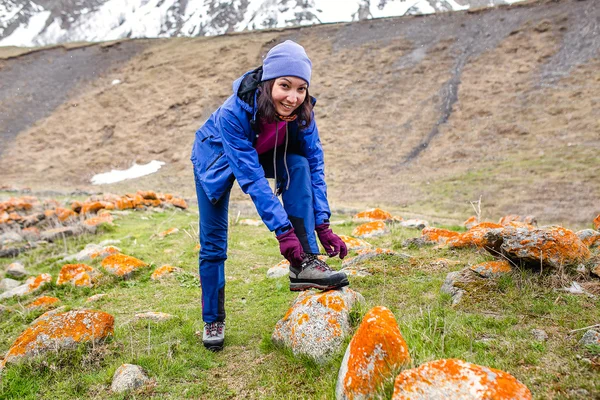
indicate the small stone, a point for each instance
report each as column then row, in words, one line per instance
column 95, row 297
column 354, row 243
column 456, row 282
column 355, row 272
column 80, row 275
column 31, row 285
column 10, row 237
column 16, row 270
column 42, row 303
column 128, row 377
column 279, row 270
column 492, row 269
column 164, row 272
column 153, row 316
column 374, row 214
column 168, row 232
column 7, row 284
column 122, row 265
column 539, row 335
column 589, row 237
column 591, row 337
column 414, row 223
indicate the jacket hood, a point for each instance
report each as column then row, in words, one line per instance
column 245, row 88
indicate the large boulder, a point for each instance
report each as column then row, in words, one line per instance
column 457, row 379
column 376, row 350
column 317, row 323
column 476, row 237
column 553, row 247
column 60, row 331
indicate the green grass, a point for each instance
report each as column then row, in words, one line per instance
column 491, row 326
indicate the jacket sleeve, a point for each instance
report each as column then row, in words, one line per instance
column 311, row 147
column 243, row 160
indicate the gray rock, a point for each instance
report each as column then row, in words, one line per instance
column 128, row 377
column 539, row 334
column 591, row 337
column 414, row 223
column 153, row 316
column 279, row 270
column 58, row 233
column 7, row 284
column 10, row 237
column 16, row 270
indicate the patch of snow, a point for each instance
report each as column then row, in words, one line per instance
column 115, row 82
column 135, row 171
column 26, row 34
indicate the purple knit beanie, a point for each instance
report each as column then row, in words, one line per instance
column 287, row 59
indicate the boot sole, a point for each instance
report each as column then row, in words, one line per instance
column 214, row 346
column 302, row 286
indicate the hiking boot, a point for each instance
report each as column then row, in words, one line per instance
column 314, row 273
column 214, row 335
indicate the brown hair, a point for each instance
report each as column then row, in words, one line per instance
column 266, row 108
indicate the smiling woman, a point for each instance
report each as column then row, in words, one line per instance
column 265, row 129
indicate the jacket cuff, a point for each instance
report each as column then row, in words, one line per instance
column 282, row 230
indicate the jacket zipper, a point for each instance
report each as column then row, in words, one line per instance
column 214, row 161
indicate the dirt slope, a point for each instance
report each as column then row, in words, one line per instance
column 420, row 113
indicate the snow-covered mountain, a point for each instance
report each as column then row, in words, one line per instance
column 44, row 22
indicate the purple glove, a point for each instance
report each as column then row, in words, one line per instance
column 290, row 247
column 330, row 241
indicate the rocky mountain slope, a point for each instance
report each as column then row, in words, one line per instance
column 425, row 113
column 43, row 22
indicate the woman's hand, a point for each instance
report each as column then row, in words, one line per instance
column 290, row 247
column 331, row 242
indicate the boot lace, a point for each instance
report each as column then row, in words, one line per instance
column 313, row 259
column 214, row 329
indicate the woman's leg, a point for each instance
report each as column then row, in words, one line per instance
column 298, row 198
column 213, row 253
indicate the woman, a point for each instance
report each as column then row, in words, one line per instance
column 266, row 129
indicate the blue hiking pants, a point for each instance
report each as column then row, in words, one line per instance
column 297, row 202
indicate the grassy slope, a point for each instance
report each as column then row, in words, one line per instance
column 490, row 327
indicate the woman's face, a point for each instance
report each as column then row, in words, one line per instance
column 288, row 93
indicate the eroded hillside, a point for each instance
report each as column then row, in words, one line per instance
column 419, row 113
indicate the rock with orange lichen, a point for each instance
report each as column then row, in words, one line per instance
column 104, row 252
column 492, row 269
column 104, row 218
column 374, row 214
column 168, row 232
column 476, row 237
column 431, row 235
column 554, row 246
column 124, row 203
column 43, row 302
column 367, row 254
column 457, row 379
column 122, row 265
column 80, row 275
column 471, row 222
column 31, row 234
column 317, row 323
column 164, row 272
column 147, row 195
column 589, row 237
column 282, row 268
column 376, row 350
column 528, row 219
column 590, row 338
column 414, row 223
column 179, row 203
column 354, row 243
column 370, row 229
column 596, row 222
column 59, row 332
column 16, row 270
column 64, row 214
column 31, row 285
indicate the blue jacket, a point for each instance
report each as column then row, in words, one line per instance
column 223, row 152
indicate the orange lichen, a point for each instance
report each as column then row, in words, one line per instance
column 507, row 219
column 105, row 218
column 302, row 319
column 438, row 235
column 62, row 330
column 122, row 265
column 369, row 228
column 375, row 352
column 331, row 301
column 471, row 222
column 168, row 232
column 107, row 251
column 64, row 214
column 458, row 379
column 43, row 302
column 38, row 281
column 179, row 203
column 163, row 271
column 197, row 247
column 377, row 250
column 492, row 268
column 597, row 222
column 474, row 237
column 373, row 214
column 76, row 274
column 95, row 206
column 124, row 203
column 151, row 203
column 76, row 206
column 354, row 243
column 49, row 213
column 148, row 195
